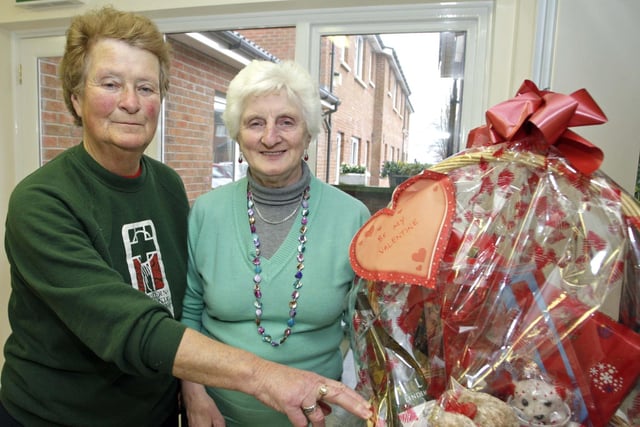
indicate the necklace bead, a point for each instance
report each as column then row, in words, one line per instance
column 257, row 278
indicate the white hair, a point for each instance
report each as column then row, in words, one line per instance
column 264, row 77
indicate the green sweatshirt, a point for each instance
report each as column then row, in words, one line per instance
column 98, row 268
column 220, row 302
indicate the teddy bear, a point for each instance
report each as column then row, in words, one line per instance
column 540, row 403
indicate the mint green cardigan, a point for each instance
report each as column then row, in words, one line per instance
column 219, row 298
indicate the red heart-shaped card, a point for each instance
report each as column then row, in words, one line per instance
column 404, row 243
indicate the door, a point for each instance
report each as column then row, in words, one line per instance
column 31, row 52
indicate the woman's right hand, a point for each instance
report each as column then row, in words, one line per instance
column 201, row 409
column 304, row 395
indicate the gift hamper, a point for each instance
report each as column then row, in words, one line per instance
column 479, row 288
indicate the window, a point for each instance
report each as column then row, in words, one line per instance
column 355, row 151
column 396, row 95
column 339, row 156
column 341, row 152
column 344, row 55
column 371, row 69
column 225, row 167
column 464, row 18
column 359, row 57
column 366, row 154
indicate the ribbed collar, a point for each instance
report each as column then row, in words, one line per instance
column 280, row 196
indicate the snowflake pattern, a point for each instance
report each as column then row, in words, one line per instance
column 605, row 378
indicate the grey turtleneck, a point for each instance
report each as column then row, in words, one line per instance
column 275, row 204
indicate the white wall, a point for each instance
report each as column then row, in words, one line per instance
column 596, row 48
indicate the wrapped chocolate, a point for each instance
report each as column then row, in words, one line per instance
column 503, row 253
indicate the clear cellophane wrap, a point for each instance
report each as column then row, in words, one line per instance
column 534, row 250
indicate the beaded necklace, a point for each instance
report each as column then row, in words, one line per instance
column 257, row 278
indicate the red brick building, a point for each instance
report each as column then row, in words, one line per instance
column 372, row 118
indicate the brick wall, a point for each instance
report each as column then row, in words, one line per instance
column 58, row 130
column 280, row 42
column 189, row 115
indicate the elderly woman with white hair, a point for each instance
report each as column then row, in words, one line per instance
column 269, row 263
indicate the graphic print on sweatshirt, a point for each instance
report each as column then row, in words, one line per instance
column 145, row 261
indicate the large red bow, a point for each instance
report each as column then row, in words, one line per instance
column 551, row 113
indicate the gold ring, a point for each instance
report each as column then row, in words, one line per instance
column 323, row 390
column 309, row 409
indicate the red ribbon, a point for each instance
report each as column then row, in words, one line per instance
column 551, row 114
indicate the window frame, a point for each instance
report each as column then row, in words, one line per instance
column 474, row 18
